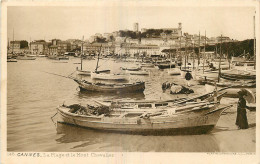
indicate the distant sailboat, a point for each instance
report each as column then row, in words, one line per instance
column 84, row 72
column 104, row 76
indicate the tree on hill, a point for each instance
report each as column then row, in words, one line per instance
column 101, row 40
column 232, row 48
column 128, row 34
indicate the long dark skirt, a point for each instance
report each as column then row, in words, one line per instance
column 241, row 120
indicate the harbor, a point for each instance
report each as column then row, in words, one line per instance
column 27, row 109
column 117, row 80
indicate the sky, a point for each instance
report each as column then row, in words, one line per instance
column 33, row 23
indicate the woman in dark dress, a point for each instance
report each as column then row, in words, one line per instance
column 241, row 120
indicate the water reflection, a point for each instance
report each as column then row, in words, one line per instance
column 32, row 92
column 94, row 140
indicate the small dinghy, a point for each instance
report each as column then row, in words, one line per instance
column 174, row 71
column 131, row 68
column 137, row 72
column 116, row 88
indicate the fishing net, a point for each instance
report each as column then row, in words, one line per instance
column 88, row 110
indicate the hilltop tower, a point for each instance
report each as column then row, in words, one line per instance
column 136, row 28
column 179, row 29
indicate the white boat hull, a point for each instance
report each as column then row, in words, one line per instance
column 103, row 76
column 137, row 72
column 84, row 73
column 200, row 122
column 174, row 71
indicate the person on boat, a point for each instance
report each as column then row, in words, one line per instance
column 241, row 120
column 188, row 77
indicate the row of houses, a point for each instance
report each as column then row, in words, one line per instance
column 41, row 47
column 120, row 45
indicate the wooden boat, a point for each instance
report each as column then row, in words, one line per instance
column 63, row 58
column 103, row 76
column 117, row 88
column 149, row 65
column 233, row 87
column 25, row 58
column 83, row 73
column 58, row 57
column 174, row 71
column 41, row 55
column 195, row 120
column 161, row 62
column 240, row 61
column 137, row 72
column 165, row 66
column 129, row 104
column 238, row 75
column 11, row 60
column 202, row 78
column 87, row 73
column 131, row 68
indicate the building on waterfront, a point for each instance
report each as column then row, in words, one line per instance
column 96, row 48
column 63, row 47
column 75, row 44
column 59, row 47
column 132, row 49
column 39, row 47
column 53, row 50
column 18, row 46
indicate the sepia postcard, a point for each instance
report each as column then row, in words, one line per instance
column 129, row 81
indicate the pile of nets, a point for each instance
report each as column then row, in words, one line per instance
column 88, row 110
column 178, row 89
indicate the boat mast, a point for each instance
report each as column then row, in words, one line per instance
column 185, row 56
column 81, row 53
column 220, row 53
column 30, row 46
column 188, row 54
column 229, row 57
column 254, row 45
column 204, row 52
column 13, row 43
column 170, row 58
column 193, row 56
column 8, row 45
column 199, row 51
column 98, row 58
column 180, row 47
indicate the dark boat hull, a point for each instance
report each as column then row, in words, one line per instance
column 118, row 88
column 235, row 77
column 165, row 66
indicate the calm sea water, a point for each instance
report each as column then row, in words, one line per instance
column 33, row 95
